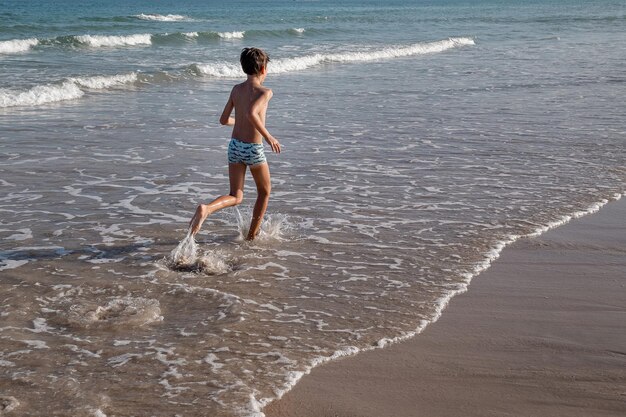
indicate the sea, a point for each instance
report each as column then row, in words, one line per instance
column 419, row 139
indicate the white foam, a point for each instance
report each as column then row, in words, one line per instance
column 102, row 82
column 135, row 311
column 191, row 34
column 70, row 89
column 96, row 412
column 122, row 359
column 22, row 234
column 97, row 41
column 231, row 35
column 161, row 18
column 41, row 94
column 298, row 30
column 212, row 360
column 213, row 263
column 40, row 326
column 8, row 404
column 36, row 344
column 229, row 70
column 12, row 264
column 14, row 46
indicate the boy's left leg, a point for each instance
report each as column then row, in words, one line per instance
column 236, row 175
column 261, row 175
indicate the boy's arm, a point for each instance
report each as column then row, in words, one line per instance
column 225, row 118
column 254, row 118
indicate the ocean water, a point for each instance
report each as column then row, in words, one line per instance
column 420, row 137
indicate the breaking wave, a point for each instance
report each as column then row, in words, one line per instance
column 162, row 18
column 232, row 70
column 40, row 94
column 102, row 82
column 70, row 89
column 97, row 41
column 231, row 35
column 73, row 87
column 14, row 46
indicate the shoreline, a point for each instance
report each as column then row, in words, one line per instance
column 349, row 387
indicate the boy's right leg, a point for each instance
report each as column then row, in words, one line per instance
column 236, row 176
column 261, row 175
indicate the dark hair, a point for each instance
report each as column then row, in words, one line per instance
column 252, row 60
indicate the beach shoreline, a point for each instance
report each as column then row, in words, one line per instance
column 512, row 345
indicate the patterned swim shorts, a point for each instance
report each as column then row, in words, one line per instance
column 245, row 152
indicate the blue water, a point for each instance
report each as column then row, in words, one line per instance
column 419, row 138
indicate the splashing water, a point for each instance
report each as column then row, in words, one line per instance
column 273, row 227
column 213, row 263
column 185, row 254
column 185, row 257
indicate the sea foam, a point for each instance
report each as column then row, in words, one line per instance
column 161, row 18
column 69, row 89
column 231, row 35
column 40, row 94
column 97, row 41
column 124, row 311
column 102, row 82
column 231, row 70
column 17, row 45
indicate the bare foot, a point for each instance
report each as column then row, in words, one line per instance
column 198, row 218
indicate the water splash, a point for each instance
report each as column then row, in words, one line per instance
column 213, row 263
column 185, row 258
column 274, row 227
column 7, row 404
column 185, row 254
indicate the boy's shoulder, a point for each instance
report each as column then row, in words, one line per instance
column 260, row 91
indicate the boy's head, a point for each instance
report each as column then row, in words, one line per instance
column 253, row 60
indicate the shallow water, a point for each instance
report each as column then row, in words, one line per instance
column 401, row 177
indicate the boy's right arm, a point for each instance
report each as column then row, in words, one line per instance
column 225, row 118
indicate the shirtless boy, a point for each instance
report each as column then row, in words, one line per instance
column 249, row 100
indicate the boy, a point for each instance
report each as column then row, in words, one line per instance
column 249, row 100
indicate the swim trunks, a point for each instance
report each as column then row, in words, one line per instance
column 245, row 152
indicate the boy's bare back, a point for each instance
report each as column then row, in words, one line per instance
column 249, row 100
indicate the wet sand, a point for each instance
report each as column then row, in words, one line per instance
column 542, row 332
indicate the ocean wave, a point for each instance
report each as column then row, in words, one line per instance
column 70, row 89
column 41, row 94
column 231, row 35
column 162, row 18
column 231, row 70
column 17, row 45
column 102, row 82
column 97, row 41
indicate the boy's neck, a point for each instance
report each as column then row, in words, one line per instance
column 255, row 79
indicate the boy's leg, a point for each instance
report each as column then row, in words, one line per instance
column 261, row 175
column 236, row 175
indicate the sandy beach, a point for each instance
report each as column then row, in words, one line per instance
column 542, row 332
